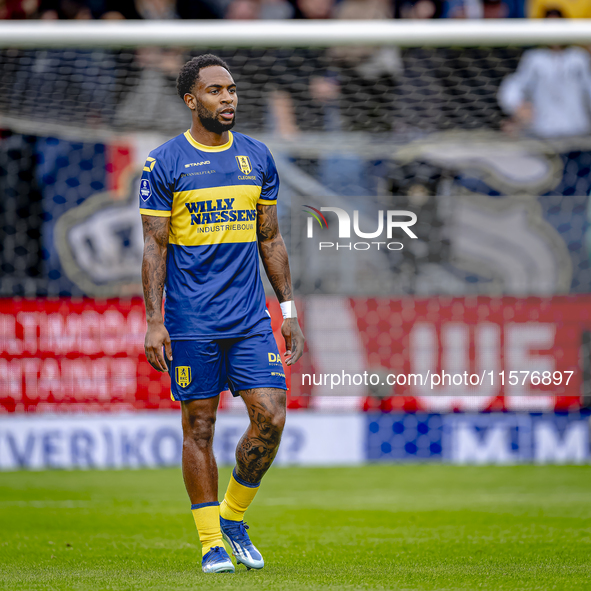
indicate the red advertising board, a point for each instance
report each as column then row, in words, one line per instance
column 81, row 354
column 519, row 348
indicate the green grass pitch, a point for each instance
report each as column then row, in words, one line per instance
column 372, row 527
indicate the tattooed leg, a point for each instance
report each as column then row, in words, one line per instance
column 200, row 471
column 259, row 445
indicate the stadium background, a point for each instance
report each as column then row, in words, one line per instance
column 498, row 280
column 398, row 113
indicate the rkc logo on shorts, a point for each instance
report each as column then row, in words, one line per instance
column 244, row 164
column 183, row 376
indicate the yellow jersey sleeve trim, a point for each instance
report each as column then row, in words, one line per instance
column 205, row 148
column 159, row 213
column 267, row 201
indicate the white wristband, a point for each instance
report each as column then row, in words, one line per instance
column 288, row 309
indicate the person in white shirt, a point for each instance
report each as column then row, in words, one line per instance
column 550, row 93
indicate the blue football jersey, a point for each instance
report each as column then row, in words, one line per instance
column 210, row 193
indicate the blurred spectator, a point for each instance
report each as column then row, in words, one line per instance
column 112, row 15
column 418, row 91
column 199, row 9
column 463, row 9
column 62, row 86
column 565, row 8
column 414, row 187
column 366, row 75
column 64, row 9
column 18, row 9
column 243, row 10
column 75, row 85
column 494, row 9
column 419, row 9
column 259, row 9
column 550, row 93
column 484, row 9
column 354, row 92
column 156, row 9
column 276, row 10
column 134, row 9
column 344, row 88
column 153, row 102
column 121, row 9
column 313, row 9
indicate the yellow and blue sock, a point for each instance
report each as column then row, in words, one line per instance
column 207, row 520
column 238, row 497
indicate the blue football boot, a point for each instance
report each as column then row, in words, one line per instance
column 234, row 533
column 217, row 561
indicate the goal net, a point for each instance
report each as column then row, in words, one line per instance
column 435, row 221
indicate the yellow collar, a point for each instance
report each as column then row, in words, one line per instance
column 205, row 148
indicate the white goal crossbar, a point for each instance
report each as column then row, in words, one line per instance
column 217, row 34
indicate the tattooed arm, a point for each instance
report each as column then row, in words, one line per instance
column 153, row 278
column 274, row 257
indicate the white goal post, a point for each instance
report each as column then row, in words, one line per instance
column 216, row 34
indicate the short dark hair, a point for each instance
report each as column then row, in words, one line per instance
column 554, row 13
column 189, row 73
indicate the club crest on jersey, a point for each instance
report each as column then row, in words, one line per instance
column 183, row 376
column 244, row 164
column 149, row 165
column 145, row 189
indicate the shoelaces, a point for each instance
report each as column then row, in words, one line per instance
column 238, row 532
column 216, row 554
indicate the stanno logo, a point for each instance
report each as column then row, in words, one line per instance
column 394, row 219
column 197, row 163
column 244, row 164
column 183, row 375
column 149, row 165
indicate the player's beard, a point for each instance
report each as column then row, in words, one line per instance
column 211, row 123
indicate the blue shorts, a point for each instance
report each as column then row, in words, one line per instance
column 203, row 369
